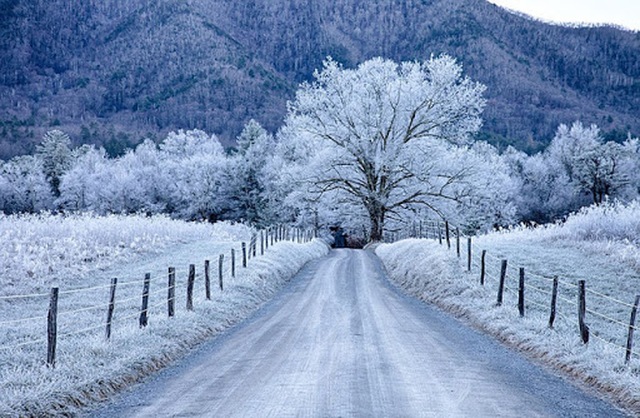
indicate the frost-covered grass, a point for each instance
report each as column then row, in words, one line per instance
column 38, row 250
column 597, row 245
column 89, row 368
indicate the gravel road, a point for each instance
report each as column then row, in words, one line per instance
column 341, row 341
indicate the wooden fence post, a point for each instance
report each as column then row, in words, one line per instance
column 439, row 234
column 233, row 262
column 171, row 293
column 503, row 276
column 261, row 242
column 266, row 238
column 554, row 301
column 521, row 293
column 582, row 310
column 458, row 241
column 469, row 254
column 483, row 266
column 144, row 318
column 112, row 304
column 220, row 265
column 254, row 240
column 207, row 279
column 52, row 328
column 446, row 233
column 244, row 255
column 190, row 283
column 632, row 325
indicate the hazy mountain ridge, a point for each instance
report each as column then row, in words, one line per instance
column 112, row 72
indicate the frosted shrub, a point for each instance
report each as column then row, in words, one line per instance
column 609, row 221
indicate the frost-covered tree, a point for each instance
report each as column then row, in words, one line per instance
column 383, row 136
column 149, row 167
column 245, row 180
column 80, row 186
column 194, row 163
column 182, row 177
column 594, row 167
column 547, row 192
column 577, row 169
column 56, row 155
column 24, row 186
column 491, row 198
column 599, row 171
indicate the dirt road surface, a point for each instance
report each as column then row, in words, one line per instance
column 341, row 341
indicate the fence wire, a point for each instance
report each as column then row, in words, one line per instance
column 436, row 230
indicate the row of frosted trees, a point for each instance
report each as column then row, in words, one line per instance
column 371, row 149
column 188, row 175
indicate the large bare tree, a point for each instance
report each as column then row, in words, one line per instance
column 384, row 135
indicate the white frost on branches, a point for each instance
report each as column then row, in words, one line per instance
column 383, row 141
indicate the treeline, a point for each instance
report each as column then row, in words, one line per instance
column 189, row 175
column 139, row 66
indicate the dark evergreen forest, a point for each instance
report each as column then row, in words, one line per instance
column 115, row 72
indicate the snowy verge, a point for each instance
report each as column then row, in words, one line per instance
column 90, row 369
column 430, row 272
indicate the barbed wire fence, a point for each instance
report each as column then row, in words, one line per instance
column 605, row 318
column 63, row 313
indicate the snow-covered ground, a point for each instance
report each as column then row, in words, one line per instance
column 80, row 255
column 598, row 245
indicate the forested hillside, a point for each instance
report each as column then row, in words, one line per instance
column 114, row 72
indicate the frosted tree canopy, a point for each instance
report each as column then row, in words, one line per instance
column 384, row 137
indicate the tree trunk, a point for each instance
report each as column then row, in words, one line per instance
column 376, row 218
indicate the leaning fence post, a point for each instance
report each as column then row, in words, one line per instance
column 554, row 301
column 521, row 293
column 112, row 303
column 52, row 328
column 244, row 255
column 503, row 275
column 458, row 242
column 469, row 254
column 483, row 266
column 144, row 319
column 632, row 325
column 582, row 310
column 171, row 293
column 207, row 279
column 220, row 265
column 190, row 283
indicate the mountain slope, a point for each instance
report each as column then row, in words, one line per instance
column 112, row 72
